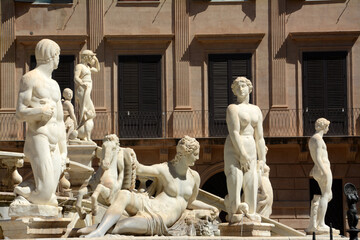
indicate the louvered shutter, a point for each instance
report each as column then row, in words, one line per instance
column 64, row 74
column 140, row 96
column 223, row 69
column 325, row 90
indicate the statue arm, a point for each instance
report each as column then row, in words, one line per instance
column 24, row 110
column 259, row 138
column 150, row 171
column 62, row 140
column 233, row 124
column 197, row 204
column 317, row 152
column 97, row 65
column 77, row 74
column 70, row 109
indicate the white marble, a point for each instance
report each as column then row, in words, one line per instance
column 265, row 197
column 83, row 86
column 321, row 172
column 69, row 115
column 177, row 186
column 244, row 153
column 116, row 172
column 39, row 105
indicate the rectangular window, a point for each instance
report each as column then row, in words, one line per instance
column 325, row 91
column 64, row 74
column 140, row 96
column 223, row 69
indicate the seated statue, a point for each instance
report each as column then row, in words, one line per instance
column 244, row 153
column 116, row 171
column 154, row 215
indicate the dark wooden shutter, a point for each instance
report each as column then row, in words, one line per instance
column 64, row 74
column 223, row 69
column 140, row 96
column 325, row 90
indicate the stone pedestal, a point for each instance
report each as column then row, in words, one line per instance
column 81, row 157
column 31, row 227
column 246, row 229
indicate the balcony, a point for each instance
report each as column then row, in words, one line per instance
column 201, row 124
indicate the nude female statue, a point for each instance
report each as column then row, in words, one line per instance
column 83, row 82
column 39, row 104
column 244, row 149
column 150, row 216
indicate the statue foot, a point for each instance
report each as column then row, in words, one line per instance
column 22, row 191
column 235, row 218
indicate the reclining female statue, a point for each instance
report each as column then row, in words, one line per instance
column 150, row 216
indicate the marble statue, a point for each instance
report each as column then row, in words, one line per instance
column 117, row 171
column 83, row 86
column 154, row 215
column 39, row 105
column 265, row 197
column 244, row 153
column 69, row 115
column 321, row 172
column 352, row 198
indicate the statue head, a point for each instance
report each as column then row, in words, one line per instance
column 186, row 146
column 237, row 81
column 47, row 50
column 68, row 94
column 321, row 124
column 87, row 56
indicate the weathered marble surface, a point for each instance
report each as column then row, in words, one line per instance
column 83, row 87
column 244, row 153
column 176, row 190
column 39, row 105
column 321, row 172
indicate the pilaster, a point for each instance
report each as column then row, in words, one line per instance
column 182, row 78
column 278, row 53
column 7, row 55
column 96, row 44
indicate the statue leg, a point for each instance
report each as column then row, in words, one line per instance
column 234, row 181
column 326, row 196
column 78, row 205
column 250, row 186
column 132, row 225
column 124, row 200
column 46, row 167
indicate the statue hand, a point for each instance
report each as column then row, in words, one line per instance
column 214, row 212
column 245, row 163
column 47, row 112
column 261, row 165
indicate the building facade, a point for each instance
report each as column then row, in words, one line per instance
column 166, row 71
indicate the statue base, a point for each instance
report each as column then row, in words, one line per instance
column 246, row 229
column 21, row 207
column 335, row 232
column 353, row 233
column 34, row 227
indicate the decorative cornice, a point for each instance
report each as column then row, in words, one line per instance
column 350, row 36
column 64, row 39
column 146, row 38
column 235, row 38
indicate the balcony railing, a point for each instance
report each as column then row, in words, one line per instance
column 175, row 124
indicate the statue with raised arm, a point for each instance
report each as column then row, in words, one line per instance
column 83, row 86
column 321, row 172
column 39, row 105
column 244, row 153
column 154, row 215
column 69, row 115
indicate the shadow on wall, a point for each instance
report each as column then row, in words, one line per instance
column 248, row 7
